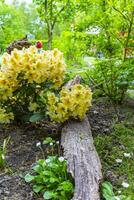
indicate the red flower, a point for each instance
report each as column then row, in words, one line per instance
column 39, row 45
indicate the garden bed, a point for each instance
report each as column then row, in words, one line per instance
column 23, row 152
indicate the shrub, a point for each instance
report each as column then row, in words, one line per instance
column 27, row 77
column 113, row 77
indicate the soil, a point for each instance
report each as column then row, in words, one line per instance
column 23, row 153
column 103, row 115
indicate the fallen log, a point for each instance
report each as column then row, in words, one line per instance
column 82, row 158
column 83, row 161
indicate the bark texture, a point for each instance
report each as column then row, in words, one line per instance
column 82, row 158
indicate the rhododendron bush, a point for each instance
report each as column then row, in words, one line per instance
column 32, row 84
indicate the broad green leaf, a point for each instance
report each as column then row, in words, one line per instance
column 49, row 195
column 107, row 191
column 37, row 188
column 66, row 186
column 36, row 117
column 29, row 178
column 48, row 140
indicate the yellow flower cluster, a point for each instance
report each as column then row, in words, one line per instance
column 72, row 102
column 5, row 117
column 30, row 65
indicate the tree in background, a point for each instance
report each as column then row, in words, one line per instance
column 16, row 21
column 53, row 12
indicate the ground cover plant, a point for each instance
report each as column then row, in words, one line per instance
column 116, row 153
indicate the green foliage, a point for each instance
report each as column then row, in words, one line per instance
column 113, row 38
column 107, row 191
column 16, row 22
column 73, row 44
column 3, row 152
column 112, row 147
column 48, row 140
column 113, row 78
column 52, row 11
column 51, row 179
column 108, row 194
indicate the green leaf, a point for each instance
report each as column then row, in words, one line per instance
column 107, row 191
column 48, row 140
column 42, row 162
column 49, row 195
column 28, row 178
column 37, row 188
column 53, row 180
column 37, row 168
column 36, row 117
column 66, row 186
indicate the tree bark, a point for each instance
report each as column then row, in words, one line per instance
column 82, row 158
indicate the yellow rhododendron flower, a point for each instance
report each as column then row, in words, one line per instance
column 27, row 74
column 29, row 65
column 5, row 117
column 73, row 102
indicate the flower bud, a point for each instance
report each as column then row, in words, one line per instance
column 39, row 45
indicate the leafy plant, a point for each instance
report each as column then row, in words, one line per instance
column 3, row 152
column 108, row 194
column 50, row 179
column 113, row 77
column 48, row 140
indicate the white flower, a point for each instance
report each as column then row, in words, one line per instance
column 48, row 160
column 125, row 184
column 38, row 144
column 118, row 160
column 61, row 159
column 3, row 156
column 51, row 144
column 117, row 198
column 127, row 155
column 57, row 142
column 119, row 192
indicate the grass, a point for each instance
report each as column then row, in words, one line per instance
column 112, row 147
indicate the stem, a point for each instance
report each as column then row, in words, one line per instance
column 128, row 35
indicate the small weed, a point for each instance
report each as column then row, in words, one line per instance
column 3, row 152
